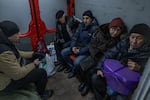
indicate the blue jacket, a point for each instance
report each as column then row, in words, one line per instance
column 82, row 38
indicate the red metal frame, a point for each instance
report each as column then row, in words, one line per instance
column 71, row 7
column 37, row 27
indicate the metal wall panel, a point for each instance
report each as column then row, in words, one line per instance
column 132, row 11
column 19, row 11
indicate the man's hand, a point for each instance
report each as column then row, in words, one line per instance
column 38, row 55
column 36, row 62
column 75, row 50
column 100, row 73
column 133, row 65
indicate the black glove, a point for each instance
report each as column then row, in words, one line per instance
column 38, row 55
column 124, row 61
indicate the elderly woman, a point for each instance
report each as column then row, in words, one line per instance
column 133, row 52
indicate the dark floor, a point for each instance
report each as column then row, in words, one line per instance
column 66, row 89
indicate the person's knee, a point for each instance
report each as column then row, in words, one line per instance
column 76, row 63
column 64, row 52
column 38, row 74
column 42, row 73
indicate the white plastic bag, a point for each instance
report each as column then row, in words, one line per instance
column 48, row 64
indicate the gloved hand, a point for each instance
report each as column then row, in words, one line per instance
column 38, row 55
column 124, row 61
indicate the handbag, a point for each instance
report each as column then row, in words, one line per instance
column 120, row 77
column 41, row 47
column 48, row 64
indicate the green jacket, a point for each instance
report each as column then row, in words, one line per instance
column 10, row 68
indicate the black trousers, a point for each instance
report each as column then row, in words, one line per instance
column 85, row 76
column 99, row 88
column 37, row 76
column 58, row 47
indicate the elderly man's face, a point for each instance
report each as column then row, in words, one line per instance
column 136, row 40
column 14, row 38
column 87, row 20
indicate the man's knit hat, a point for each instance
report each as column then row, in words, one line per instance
column 117, row 22
column 88, row 13
column 59, row 14
column 9, row 28
column 141, row 29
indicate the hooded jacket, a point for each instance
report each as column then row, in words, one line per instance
column 10, row 68
column 121, row 52
column 83, row 37
column 101, row 41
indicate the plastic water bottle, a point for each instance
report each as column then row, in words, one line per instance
column 52, row 51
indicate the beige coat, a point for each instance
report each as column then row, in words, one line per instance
column 10, row 68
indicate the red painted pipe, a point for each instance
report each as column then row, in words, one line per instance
column 37, row 27
column 71, row 7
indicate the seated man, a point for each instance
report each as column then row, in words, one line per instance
column 80, row 42
column 13, row 75
column 133, row 52
column 106, row 36
column 66, row 26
